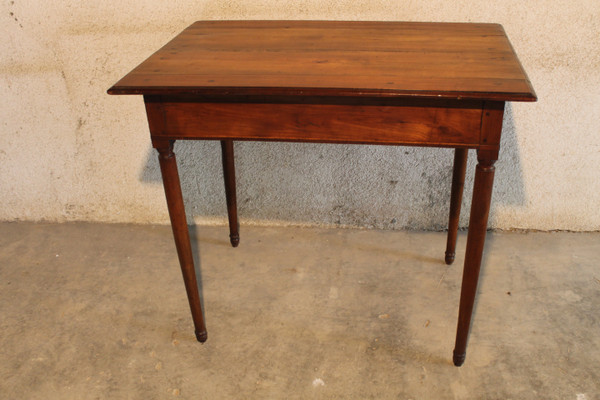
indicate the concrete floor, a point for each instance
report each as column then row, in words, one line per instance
column 90, row 311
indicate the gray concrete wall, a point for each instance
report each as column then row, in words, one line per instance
column 70, row 152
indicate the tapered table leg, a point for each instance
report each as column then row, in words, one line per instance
column 168, row 168
column 229, row 175
column 480, row 207
column 458, row 182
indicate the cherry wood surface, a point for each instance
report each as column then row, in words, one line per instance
column 456, row 193
column 335, row 58
column 413, row 122
column 230, row 192
column 390, row 83
column 168, row 168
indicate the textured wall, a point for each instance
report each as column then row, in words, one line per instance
column 68, row 151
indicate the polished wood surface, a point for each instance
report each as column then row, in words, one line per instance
column 407, row 122
column 168, row 168
column 491, row 128
column 456, row 193
column 334, row 58
column 389, row 83
column 482, row 195
column 230, row 194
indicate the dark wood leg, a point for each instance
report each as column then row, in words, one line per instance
column 168, row 168
column 229, row 175
column 480, row 207
column 458, row 182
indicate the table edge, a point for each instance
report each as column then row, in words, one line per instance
column 326, row 92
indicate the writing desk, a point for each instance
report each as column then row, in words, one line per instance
column 388, row 83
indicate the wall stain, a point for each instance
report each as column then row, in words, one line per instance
column 13, row 16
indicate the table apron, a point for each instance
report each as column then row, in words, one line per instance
column 457, row 125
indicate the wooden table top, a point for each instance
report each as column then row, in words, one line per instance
column 334, row 58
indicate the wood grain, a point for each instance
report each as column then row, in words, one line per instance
column 458, row 182
column 433, row 125
column 228, row 159
column 334, row 58
column 480, row 209
column 395, row 83
column 170, row 175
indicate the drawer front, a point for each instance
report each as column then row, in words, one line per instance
column 438, row 124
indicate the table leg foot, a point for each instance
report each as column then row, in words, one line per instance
column 459, row 359
column 201, row 336
column 235, row 240
column 450, row 257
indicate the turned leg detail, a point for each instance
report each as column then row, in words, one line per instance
column 229, row 176
column 458, row 183
column 168, row 168
column 480, row 207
